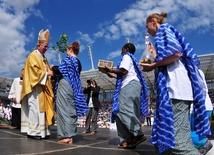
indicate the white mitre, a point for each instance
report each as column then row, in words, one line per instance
column 43, row 36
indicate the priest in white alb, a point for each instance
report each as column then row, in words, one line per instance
column 14, row 96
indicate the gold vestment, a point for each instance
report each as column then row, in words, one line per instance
column 34, row 71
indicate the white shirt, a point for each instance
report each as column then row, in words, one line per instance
column 2, row 111
column 15, row 92
column 127, row 64
column 90, row 104
column 8, row 113
column 178, row 82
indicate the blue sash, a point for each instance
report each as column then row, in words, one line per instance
column 169, row 41
column 70, row 72
column 144, row 91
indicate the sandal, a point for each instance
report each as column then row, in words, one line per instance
column 66, row 141
column 125, row 145
column 139, row 139
column 122, row 145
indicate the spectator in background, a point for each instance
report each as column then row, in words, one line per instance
column 92, row 90
column 8, row 113
column 148, row 117
column 2, row 109
column 14, row 96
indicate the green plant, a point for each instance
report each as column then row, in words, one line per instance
column 61, row 44
column 4, row 121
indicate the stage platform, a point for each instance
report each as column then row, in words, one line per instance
column 103, row 143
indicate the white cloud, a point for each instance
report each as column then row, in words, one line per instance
column 36, row 13
column 186, row 15
column 53, row 55
column 114, row 54
column 99, row 34
column 13, row 40
column 114, row 31
column 19, row 4
column 85, row 38
column 85, row 41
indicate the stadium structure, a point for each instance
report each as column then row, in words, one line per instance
column 108, row 84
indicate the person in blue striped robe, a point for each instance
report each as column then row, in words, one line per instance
column 178, row 84
column 70, row 100
column 130, row 100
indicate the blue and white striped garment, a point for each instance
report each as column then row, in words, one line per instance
column 144, row 91
column 69, row 70
column 169, row 41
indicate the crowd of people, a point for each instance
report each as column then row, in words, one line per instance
column 5, row 111
column 103, row 118
column 174, row 61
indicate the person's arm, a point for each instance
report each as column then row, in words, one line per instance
column 164, row 62
column 86, row 89
column 111, row 75
column 152, row 50
column 119, row 72
column 12, row 95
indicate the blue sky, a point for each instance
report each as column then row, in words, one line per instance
column 104, row 25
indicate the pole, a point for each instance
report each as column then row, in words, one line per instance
column 90, row 56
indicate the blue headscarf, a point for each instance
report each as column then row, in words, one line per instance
column 169, row 41
column 144, row 90
column 70, row 72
